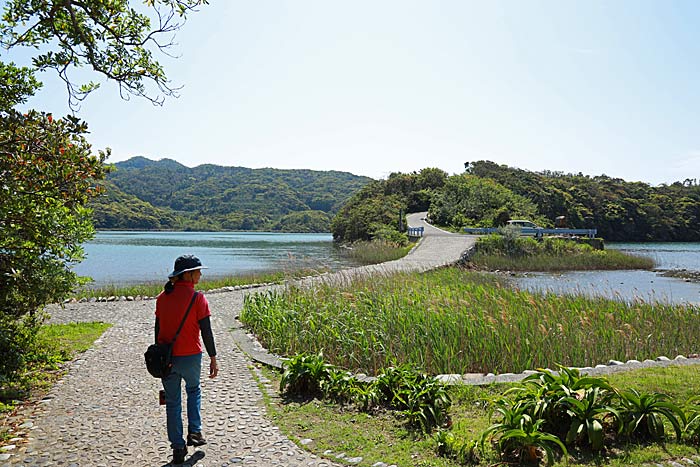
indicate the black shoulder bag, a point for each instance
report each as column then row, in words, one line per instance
column 158, row 356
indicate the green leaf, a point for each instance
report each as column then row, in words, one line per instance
column 574, row 431
column 595, row 434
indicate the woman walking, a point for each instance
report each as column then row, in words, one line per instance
column 171, row 307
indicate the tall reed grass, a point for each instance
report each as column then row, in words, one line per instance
column 513, row 253
column 151, row 289
column 454, row 321
column 376, row 251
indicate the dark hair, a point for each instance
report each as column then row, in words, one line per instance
column 169, row 287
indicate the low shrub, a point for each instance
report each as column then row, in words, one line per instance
column 422, row 401
column 510, row 251
column 17, row 339
column 376, row 251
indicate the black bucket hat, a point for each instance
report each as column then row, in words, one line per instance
column 186, row 263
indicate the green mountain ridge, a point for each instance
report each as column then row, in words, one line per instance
column 145, row 194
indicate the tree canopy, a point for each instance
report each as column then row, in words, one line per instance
column 488, row 195
column 620, row 210
column 108, row 36
column 376, row 211
column 48, row 170
column 467, row 200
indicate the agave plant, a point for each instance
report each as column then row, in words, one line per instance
column 587, row 409
column 642, row 415
column 692, row 427
column 305, row 374
column 519, row 437
column 565, row 401
column 425, row 403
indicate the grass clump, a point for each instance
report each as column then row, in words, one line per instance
column 55, row 344
column 513, row 253
column 456, row 321
column 421, row 401
column 376, row 251
column 154, row 288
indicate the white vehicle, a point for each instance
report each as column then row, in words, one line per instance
column 521, row 223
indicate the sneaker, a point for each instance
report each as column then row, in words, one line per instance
column 195, row 439
column 179, row 455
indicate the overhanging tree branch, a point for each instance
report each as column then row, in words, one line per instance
column 106, row 35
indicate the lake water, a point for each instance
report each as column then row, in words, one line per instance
column 121, row 258
column 665, row 255
column 629, row 285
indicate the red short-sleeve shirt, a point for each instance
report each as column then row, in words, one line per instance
column 171, row 308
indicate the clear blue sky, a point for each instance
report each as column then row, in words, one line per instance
column 373, row 87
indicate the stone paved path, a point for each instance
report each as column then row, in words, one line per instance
column 105, row 411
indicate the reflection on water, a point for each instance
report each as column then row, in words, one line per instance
column 665, row 255
column 629, row 285
column 620, row 285
column 135, row 257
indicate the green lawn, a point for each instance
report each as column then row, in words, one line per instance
column 56, row 344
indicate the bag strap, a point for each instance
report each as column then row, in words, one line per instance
column 189, row 307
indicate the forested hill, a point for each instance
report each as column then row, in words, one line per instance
column 620, row 210
column 488, row 194
column 146, row 194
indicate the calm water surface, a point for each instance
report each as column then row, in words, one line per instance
column 665, row 255
column 121, row 258
column 629, row 285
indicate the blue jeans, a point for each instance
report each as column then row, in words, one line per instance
column 189, row 369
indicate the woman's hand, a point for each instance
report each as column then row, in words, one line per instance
column 213, row 368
